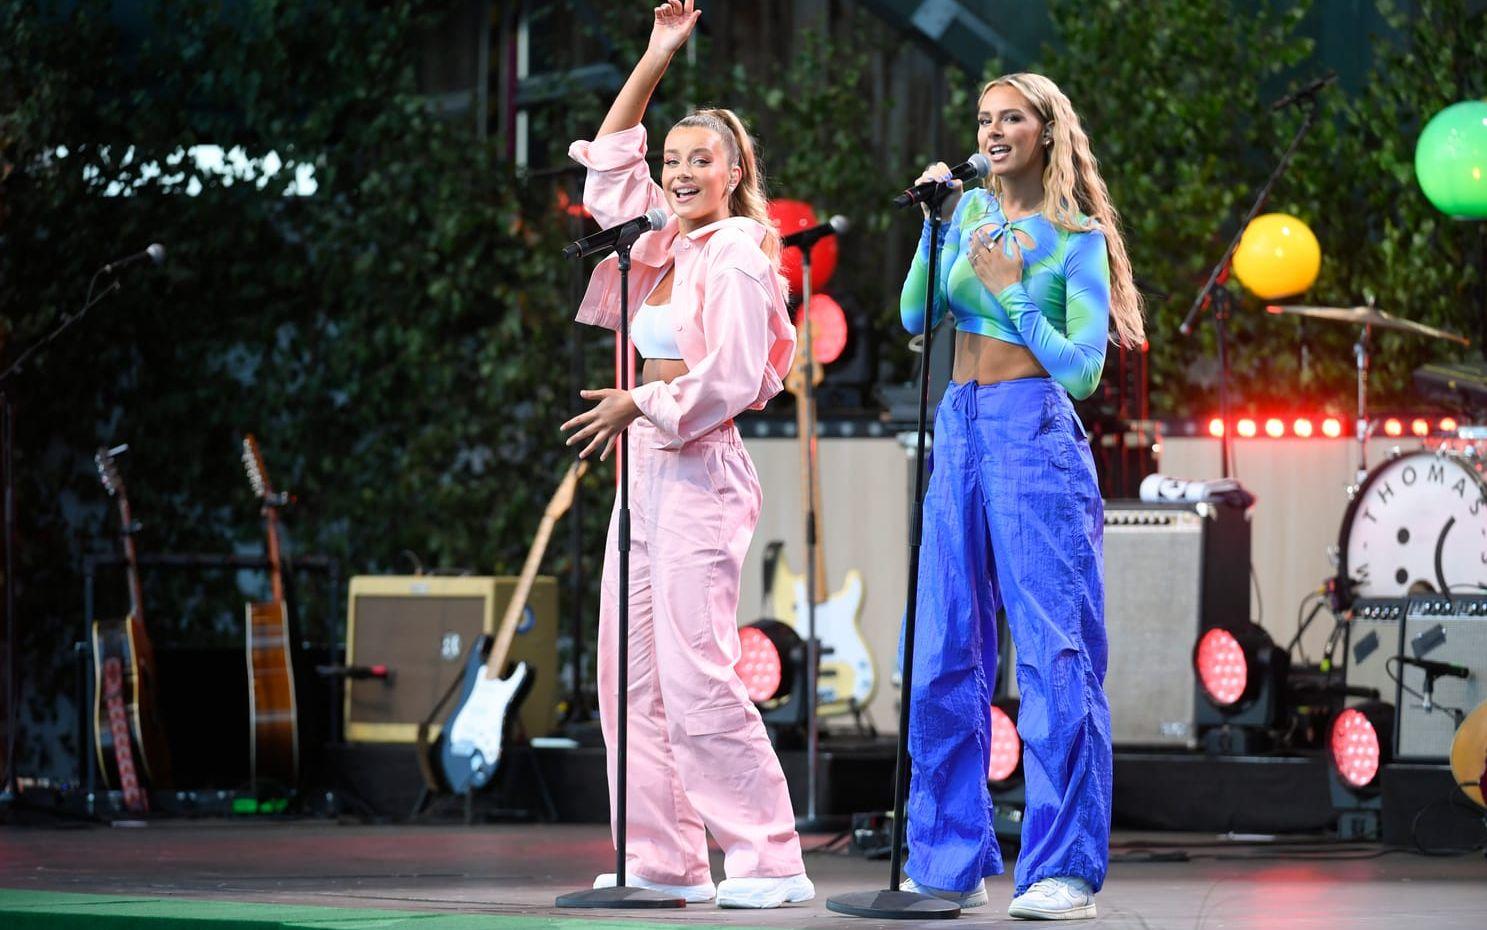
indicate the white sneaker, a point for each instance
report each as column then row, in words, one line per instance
column 765, row 892
column 692, row 894
column 976, row 897
column 1055, row 899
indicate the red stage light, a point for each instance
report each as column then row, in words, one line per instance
column 1356, row 748
column 1331, row 428
column 1392, row 427
column 829, row 328
column 1274, row 428
column 1006, row 747
column 1420, row 426
column 1448, row 424
column 1302, row 428
column 759, row 665
column 1222, row 669
column 1247, row 428
column 1216, row 427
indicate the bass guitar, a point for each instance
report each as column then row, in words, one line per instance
column 127, row 736
column 274, row 734
column 468, row 749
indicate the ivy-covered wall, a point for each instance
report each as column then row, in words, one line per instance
column 400, row 340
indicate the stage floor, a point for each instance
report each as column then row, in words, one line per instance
column 308, row 873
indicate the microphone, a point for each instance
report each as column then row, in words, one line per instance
column 1436, row 669
column 806, row 238
column 155, row 253
column 616, row 236
column 1309, row 90
column 973, row 168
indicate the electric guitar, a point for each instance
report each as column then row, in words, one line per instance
column 468, row 750
column 127, row 736
column 1469, row 755
column 846, row 680
column 274, row 735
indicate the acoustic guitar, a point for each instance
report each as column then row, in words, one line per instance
column 1469, row 755
column 846, row 680
column 127, row 736
column 274, row 734
column 468, row 750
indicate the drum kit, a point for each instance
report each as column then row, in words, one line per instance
column 1417, row 522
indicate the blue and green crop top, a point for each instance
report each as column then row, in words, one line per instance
column 1060, row 309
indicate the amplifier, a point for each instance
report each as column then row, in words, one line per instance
column 422, row 627
column 1373, row 641
column 1440, row 629
column 1171, row 571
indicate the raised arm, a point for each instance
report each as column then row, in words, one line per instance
column 674, row 23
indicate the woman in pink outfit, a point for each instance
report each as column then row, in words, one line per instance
column 708, row 316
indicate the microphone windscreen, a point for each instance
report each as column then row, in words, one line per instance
column 981, row 163
column 839, row 224
column 156, row 251
column 656, row 217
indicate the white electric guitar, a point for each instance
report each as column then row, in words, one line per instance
column 847, row 681
column 468, row 750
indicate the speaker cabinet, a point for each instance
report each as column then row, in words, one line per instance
column 1171, row 572
column 422, row 627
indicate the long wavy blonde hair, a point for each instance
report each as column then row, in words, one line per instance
column 1073, row 189
column 748, row 198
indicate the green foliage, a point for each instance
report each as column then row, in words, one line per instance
column 392, row 340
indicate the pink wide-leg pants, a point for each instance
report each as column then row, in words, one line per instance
column 699, row 755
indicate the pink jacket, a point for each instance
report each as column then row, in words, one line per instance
column 733, row 330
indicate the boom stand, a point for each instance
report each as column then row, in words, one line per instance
column 893, row 903
column 621, row 895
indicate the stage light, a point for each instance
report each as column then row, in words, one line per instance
column 1005, row 763
column 1331, row 428
column 768, row 657
column 1360, row 744
column 1420, row 426
column 1247, row 428
column 1242, row 677
column 1222, row 669
column 1275, row 428
column 1302, row 428
column 1216, row 427
column 1392, row 427
column 1448, row 424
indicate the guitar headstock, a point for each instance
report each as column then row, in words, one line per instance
column 562, row 498
column 257, row 474
column 108, row 468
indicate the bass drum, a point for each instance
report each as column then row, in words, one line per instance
column 1417, row 525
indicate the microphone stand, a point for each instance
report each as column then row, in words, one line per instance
column 894, row 903
column 622, row 896
column 1214, row 293
column 10, row 784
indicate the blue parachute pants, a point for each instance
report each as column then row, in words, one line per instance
column 1012, row 517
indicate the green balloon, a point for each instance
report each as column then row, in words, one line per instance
column 1451, row 160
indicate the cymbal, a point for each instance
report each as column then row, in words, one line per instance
column 1367, row 316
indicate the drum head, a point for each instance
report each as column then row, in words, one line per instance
column 1417, row 525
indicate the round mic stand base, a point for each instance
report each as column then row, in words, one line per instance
column 622, row 897
column 892, row 905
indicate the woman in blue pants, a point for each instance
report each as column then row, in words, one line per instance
column 1034, row 270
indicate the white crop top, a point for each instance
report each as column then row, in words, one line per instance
column 654, row 332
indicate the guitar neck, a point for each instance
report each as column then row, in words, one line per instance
column 518, row 602
column 131, row 560
column 271, row 542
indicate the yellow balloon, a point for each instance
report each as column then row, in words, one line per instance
column 1278, row 256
